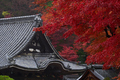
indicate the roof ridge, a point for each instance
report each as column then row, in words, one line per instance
column 18, row 17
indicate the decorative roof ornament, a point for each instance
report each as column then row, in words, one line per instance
column 68, row 66
column 38, row 17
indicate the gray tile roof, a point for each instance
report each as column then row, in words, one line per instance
column 70, row 77
column 107, row 73
column 102, row 74
column 25, row 61
column 16, row 33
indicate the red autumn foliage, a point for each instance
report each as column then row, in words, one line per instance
column 7, row 16
column 94, row 21
column 69, row 53
column 65, row 46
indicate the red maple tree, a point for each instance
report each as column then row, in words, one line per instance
column 65, row 46
column 93, row 21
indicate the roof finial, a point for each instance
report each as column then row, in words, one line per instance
column 37, row 18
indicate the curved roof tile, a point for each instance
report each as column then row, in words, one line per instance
column 16, row 35
column 16, row 32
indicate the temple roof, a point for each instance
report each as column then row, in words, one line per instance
column 97, row 71
column 16, row 32
column 22, row 48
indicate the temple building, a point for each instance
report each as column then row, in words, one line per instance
column 29, row 55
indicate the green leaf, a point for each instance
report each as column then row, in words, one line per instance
column 107, row 78
column 49, row 4
column 4, row 77
column 4, row 13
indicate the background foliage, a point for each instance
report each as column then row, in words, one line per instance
column 16, row 7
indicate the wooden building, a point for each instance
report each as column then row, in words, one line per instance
column 97, row 73
column 28, row 54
